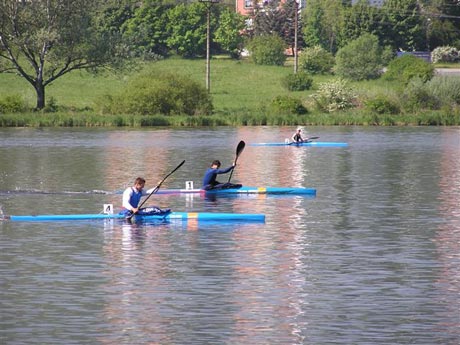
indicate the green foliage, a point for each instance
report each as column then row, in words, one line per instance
column 286, row 105
column 334, row 96
column 381, row 104
column 316, row 60
column 228, row 34
column 323, row 21
column 267, row 50
column 12, row 104
column 145, row 32
column 361, row 59
column 160, row 93
column 187, row 29
column 445, row 54
column 403, row 25
column 446, row 89
column 299, row 81
column 417, row 96
column 406, row 67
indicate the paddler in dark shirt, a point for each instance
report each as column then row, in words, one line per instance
column 297, row 137
column 209, row 179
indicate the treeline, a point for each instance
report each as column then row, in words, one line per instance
column 42, row 41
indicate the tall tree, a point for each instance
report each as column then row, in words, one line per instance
column 292, row 23
column 42, row 40
column 323, row 21
column 403, row 25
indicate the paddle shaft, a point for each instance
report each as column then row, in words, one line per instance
column 156, row 188
column 239, row 149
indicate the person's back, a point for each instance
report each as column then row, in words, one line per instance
column 210, row 176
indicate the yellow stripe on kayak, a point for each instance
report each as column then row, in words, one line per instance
column 262, row 190
column 192, row 215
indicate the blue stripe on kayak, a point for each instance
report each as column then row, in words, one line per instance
column 182, row 216
column 243, row 190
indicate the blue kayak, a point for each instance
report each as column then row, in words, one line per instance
column 243, row 190
column 310, row 143
column 173, row 216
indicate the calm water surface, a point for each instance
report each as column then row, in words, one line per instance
column 374, row 258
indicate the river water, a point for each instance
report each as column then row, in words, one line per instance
column 374, row 258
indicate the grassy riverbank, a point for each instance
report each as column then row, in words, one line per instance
column 240, row 91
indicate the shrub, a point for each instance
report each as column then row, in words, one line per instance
column 335, row 95
column 446, row 89
column 299, row 81
column 406, row 67
column 267, row 50
column 382, row 105
column 11, row 104
column 316, row 60
column 361, row 59
column 287, row 105
column 161, row 93
column 445, row 54
column 417, row 96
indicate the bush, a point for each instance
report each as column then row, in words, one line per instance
column 445, row 54
column 161, row 93
column 361, row 59
column 12, row 104
column 316, row 60
column 287, row 105
column 446, row 89
column 333, row 96
column 299, row 81
column 382, row 105
column 406, row 67
column 417, row 96
column 267, row 50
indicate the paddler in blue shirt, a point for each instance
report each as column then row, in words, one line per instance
column 209, row 179
column 132, row 197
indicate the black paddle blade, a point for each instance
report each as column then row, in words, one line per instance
column 240, row 147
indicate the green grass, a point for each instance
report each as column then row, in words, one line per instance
column 239, row 90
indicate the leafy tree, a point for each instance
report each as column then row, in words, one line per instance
column 402, row 25
column 187, row 29
column 292, row 19
column 145, row 32
column 323, row 23
column 43, row 40
column 361, row 59
column 228, row 34
column 267, row 50
column 359, row 19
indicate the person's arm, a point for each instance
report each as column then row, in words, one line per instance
column 126, row 196
column 226, row 170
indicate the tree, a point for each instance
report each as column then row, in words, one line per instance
column 323, row 22
column 228, row 34
column 187, row 29
column 361, row 59
column 290, row 8
column 145, row 32
column 42, row 40
column 402, row 25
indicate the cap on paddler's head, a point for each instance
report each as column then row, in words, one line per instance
column 299, row 129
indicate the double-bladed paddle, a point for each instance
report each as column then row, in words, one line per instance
column 156, row 189
column 304, row 141
column 239, row 149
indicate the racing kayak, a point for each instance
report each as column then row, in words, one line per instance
column 310, row 143
column 242, row 190
column 173, row 216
